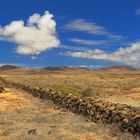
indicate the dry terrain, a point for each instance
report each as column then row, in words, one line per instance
column 112, row 86
column 23, row 117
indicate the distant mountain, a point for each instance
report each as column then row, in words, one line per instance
column 8, row 67
column 58, row 68
column 120, row 67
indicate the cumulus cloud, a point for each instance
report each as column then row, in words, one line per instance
column 38, row 35
column 87, row 42
column 128, row 55
column 137, row 12
column 91, row 28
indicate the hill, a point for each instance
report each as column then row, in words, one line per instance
column 51, row 68
column 8, row 67
column 66, row 69
column 119, row 68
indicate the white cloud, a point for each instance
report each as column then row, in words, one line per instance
column 115, row 37
column 128, row 55
column 88, row 42
column 88, row 66
column 91, row 28
column 137, row 12
column 75, row 48
column 33, row 58
column 38, row 35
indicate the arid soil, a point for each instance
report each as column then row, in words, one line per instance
column 24, row 117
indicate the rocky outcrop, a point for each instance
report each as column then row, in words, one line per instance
column 126, row 117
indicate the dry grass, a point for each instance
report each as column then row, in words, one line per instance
column 23, row 117
column 121, row 87
column 20, row 112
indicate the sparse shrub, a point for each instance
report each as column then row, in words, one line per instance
column 87, row 92
column 2, row 89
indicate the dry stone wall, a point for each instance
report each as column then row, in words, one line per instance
column 126, row 117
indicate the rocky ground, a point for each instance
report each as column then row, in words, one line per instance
column 24, row 117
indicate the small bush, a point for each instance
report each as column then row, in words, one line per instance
column 87, row 92
column 2, row 89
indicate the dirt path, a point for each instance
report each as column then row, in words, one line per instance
column 23, row 117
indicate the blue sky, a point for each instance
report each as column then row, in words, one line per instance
column 93, row 33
